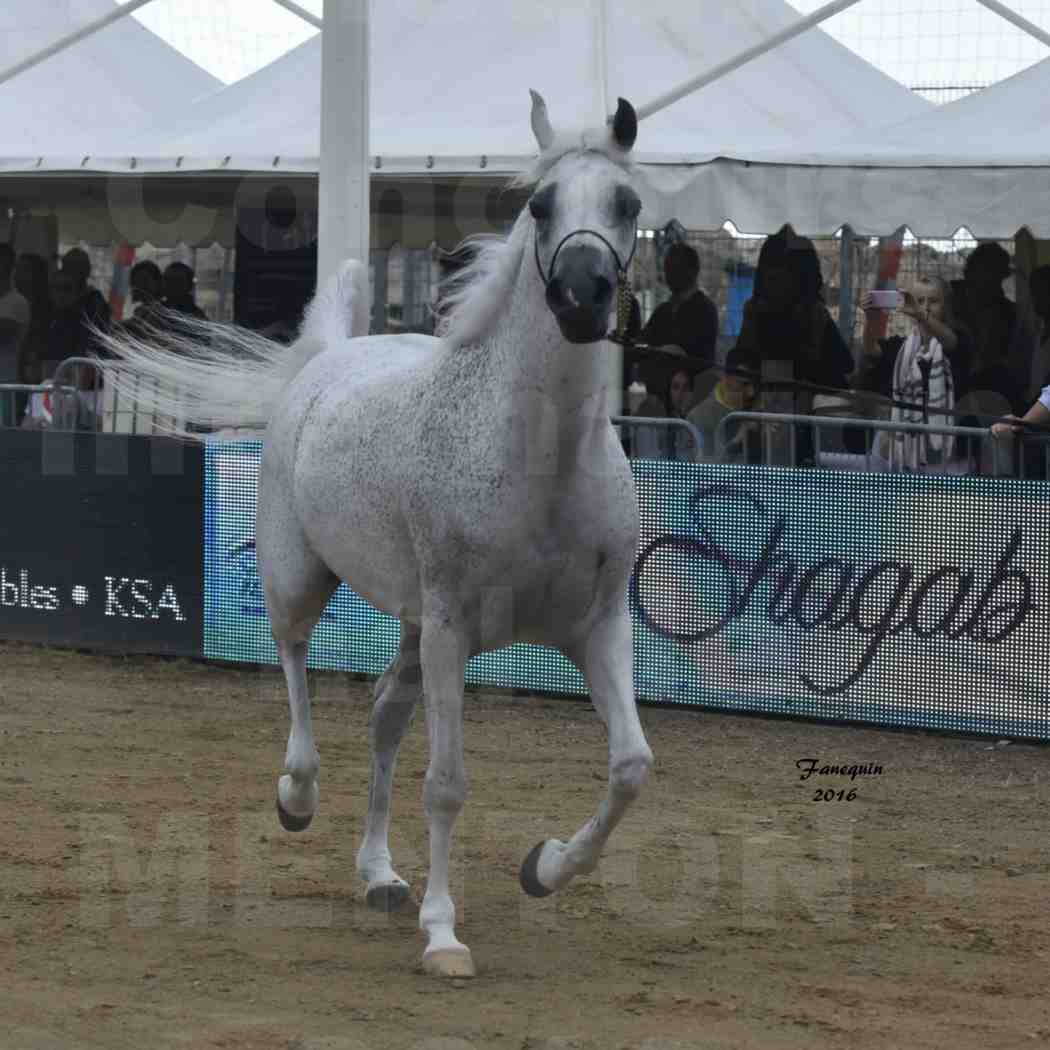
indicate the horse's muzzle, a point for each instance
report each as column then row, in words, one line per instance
column 580, row 293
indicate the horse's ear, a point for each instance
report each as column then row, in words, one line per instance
column 541, row 125
column 625, row 125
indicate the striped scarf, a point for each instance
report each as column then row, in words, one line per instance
column 922, row 375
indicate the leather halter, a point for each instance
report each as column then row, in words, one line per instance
column 623, row 290
column 621, row 267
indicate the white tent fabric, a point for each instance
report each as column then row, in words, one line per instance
column 91, row 97
column 450, row 87
column 982, row 162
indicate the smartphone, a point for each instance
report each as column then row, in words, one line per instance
column 886, row 300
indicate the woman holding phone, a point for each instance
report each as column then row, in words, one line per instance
column 924, row 370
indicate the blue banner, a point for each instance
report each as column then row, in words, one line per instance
column 886, row 598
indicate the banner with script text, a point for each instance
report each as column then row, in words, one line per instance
column 887, row 598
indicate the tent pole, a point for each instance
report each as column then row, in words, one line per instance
column 600, row 57
column 719, row 71
column 71, row 38
column 343, row 200
column 290, row 5
column 1022, row 23
column 846, row 314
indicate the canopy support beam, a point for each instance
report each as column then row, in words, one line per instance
column 71, row 38
column 291, row 5
column 1022, row 23
column 601, row 60
column 719, row 71
column 343, row 194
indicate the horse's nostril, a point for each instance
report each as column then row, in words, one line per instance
column 556, row 294
column 578, row 292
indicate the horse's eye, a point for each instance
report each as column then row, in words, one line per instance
column 628, row 204
column 541, row 204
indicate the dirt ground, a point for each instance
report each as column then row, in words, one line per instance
column 150, row 899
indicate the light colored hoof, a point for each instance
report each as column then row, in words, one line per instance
column 449, row 962
column 387, row 896
column 296, row 804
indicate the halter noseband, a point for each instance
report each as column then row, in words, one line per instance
column 623, row 290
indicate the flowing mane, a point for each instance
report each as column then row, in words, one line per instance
column 474, row 296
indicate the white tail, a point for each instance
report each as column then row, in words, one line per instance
column 217, row 376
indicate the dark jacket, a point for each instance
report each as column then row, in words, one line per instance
column 691, row 324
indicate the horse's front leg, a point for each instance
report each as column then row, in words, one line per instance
column 443, row 654
column 605, row 659
column 397, row 694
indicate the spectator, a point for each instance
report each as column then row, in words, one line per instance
column 290, row 304
column 69, row 334
column 77, row 264
column 179, row 280
column 31, row 279
column 688, row 320
column 922, row 373
column 929, row 304
column 14, row 323
column 734, row 392
column 671, row 442
column 1039, row 289
column 786, row 320
column 788, row 332
column 1039, row 414
column 147, row 286
column 1000, row 362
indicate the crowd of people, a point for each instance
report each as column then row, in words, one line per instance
column 967, row 360
column 50, row 314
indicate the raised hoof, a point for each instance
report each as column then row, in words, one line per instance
column 449, row 962
column 530, row 880
column 387, row 897
column 290, row 822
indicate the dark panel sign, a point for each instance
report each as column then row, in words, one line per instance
column 100, row 541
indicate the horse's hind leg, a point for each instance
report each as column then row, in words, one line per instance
column 297, row 586
column 605, row 659
column 396, row 695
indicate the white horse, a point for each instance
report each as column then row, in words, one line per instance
column 470, row 485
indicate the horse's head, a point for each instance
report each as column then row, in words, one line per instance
column 585, row 212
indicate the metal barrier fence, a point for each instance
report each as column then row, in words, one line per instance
column 76, row 398
column 980, row 451
column 680, row 438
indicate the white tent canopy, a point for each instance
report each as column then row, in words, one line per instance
column 90, row 97
column 450, row 87
column 982, row 162
column 808, row 133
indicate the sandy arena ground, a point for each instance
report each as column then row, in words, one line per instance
column 149, row 898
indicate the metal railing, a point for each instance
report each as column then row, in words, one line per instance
column 77, row 399
column 979, row 453
column 647, row 445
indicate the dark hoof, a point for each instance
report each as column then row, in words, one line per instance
column 530, row 881
column 388, row 897
column 290, row 822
